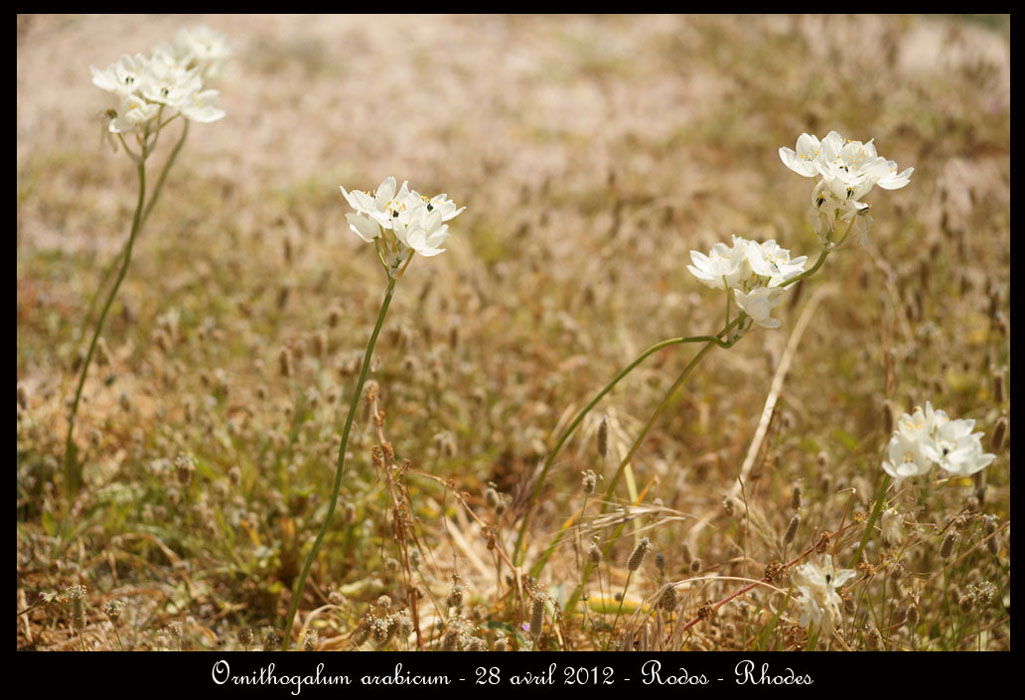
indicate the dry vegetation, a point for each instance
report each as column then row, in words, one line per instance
column 592, row 154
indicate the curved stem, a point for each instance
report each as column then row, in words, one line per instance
column 353, row 406
column 518, row 549
column 71, row 472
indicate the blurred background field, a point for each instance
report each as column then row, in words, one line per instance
column 592, row 155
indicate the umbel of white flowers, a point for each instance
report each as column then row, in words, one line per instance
column 400, row 222
column 752, row 272
column 847, row 171
column 170, row 82
column 926, row 437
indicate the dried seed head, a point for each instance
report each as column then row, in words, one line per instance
column 999, row 395
column 795, row 498
column 594, row 552
column 475, row 644
column 687, row 557
column 667, row 601
column 911, row 616
column 333, row 316
column 310, row 638
column 235, row 475
column 999, row 434
column 491, row 496
column 113, row 609
column 660, row 564
column 729, row 504
column 588, row 482
column 455, row 598
column 966, row 603
column 537, row 615
column 185, row 469
column 791, row 532
column 384, row 602
column 695, row 565
column 603, row 438
column 501, row 644
column 382, row 629
column 271, row 639
column 285, row 363
column 822, row 459
column 77, row 596
column 637, row 556
column 984, row 593
column 947, row 547
column 245, row 637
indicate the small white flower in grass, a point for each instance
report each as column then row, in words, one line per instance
column 956, row 449
column 402, row 221
column 819, row 601
column 168, row 84
column 929, row 436
column 759, row 303
column 724, row 266
column 121, row 77
column 905, row 457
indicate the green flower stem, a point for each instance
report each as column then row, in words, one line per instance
column 71, row 470
column 518, row 552
column 301, row 582
column 112, row 265
column 167, row 167
column 610, row 490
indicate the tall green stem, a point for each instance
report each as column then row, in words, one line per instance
column 71, row 470
column 610, row 490
column 518, row 552
column 145, row 215
column 353, row 406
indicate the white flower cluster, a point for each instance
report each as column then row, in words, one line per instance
column 848, row 170
column 928, row 437
column 819, row 601
column 171, row 81
column 405, row 221
column 754, row 272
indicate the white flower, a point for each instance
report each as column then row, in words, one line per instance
column 759, row 303
column 769, row 260
column 423, row 231
column 168, row 83
column 848, row 171
column 387, row 204
column 957, row 450
column 134, row 116
column 906, row 457
column 724, row 266
column 404, row 221
column 121, row 77
column 202, row 107
column 928, row 436
column 817, row 583
column 202, row 48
